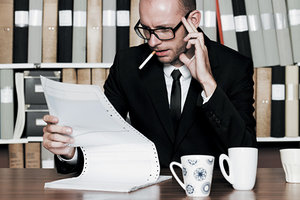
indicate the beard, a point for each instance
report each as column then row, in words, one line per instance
column 173, row 57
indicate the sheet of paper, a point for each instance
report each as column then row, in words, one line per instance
column 116, row 156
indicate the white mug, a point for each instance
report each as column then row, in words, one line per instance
column 197, row 171
column 242, row 162
column 290, row 159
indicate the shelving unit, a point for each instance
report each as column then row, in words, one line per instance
column 284, row 139
column 54, row 65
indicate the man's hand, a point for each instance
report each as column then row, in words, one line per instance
column 56, row 138
column 198, row 65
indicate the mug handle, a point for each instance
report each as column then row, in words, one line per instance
column 221, row 163
column 174, row 173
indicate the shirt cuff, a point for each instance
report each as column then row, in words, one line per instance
column 205, row 99
column 71, row 161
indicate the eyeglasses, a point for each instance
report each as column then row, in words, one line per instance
column 163, row 33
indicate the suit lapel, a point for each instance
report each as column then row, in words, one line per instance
column 153, row 79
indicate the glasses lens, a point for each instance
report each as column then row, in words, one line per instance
column 164, row 34
column 143, row 33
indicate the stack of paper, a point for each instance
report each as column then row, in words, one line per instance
column 116, row 156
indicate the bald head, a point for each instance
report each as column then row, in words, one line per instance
column 183, row 5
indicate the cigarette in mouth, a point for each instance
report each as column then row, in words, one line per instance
column 147, row 59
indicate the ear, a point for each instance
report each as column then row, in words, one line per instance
column 195, row 16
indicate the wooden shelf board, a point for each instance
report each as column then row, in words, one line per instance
column 273, row 139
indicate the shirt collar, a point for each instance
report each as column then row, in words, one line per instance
column 185, row 72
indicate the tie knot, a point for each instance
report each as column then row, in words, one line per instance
column 176, row 74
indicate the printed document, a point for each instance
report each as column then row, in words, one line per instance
column 116, row 156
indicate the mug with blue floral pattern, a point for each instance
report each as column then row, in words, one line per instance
column 197, row 171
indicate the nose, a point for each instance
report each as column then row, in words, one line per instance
column 154, row 41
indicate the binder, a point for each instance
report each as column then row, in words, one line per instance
column 294, row 22
column 228, row 26
column 84, row 76
column 94, row 31
column 79, row 40
column 47, row 158
column 35, row 31
column 50, row 31
column 7, row 103
column 254, row 90
column 210, row 28
column 20, row 35
column 134, row 39
column 241, row 27
column 79, row 32
column 263, row 104
column 123, row 17
column 255, row 33
column 32, row 155
column 64, row 45
column 282, row 32
column 6, row 31
column 99, row 77
column 15, row 156
column 292, row 101
column 20, row 119
column 69, row 76
column 109, row 30
column 269, row 32
column 278, row 102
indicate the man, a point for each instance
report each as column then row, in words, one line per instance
column 203, row 107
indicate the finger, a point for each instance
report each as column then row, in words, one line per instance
column 51, row 128
column 191, row 36
column 65, row 151
column 191, row 43
column 199, row 51
column 192, row 25
column 48, row 144
column 62, row 151
column 201, row 37
column 49, row 119
column 187, row 25
column 60, row 138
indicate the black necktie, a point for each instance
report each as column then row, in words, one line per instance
column 175, row 105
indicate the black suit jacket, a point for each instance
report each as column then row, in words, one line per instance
column 225, row 121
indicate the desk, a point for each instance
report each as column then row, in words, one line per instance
column 28, row 184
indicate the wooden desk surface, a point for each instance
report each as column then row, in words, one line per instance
column 28, row 184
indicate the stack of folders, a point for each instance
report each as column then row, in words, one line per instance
column 67, row 30
column 268, row 31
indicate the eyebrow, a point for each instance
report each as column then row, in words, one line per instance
column 159, row 26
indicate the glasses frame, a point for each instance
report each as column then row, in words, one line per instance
column 152, row 31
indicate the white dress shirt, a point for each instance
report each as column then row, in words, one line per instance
column 185, row 81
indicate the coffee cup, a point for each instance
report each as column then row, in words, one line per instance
column 197, row 171
column 242, row 163
column 290, row 159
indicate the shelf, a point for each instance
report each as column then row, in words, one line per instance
column 54, row 65
column 273, row 139
column 22, row 140
column 13, row 141
column 35, row 139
